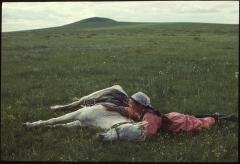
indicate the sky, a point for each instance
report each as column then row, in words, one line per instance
column 17, row 16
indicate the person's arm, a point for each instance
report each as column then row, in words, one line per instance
column 125, row 111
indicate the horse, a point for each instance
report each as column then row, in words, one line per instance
column 114, row 126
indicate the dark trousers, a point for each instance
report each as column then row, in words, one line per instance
column 219, row 117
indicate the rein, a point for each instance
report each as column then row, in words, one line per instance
column 118, row 124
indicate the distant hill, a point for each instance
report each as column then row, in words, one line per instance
column 93, row 21
column 96, row 20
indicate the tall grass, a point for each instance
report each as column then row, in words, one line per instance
column 188, row 68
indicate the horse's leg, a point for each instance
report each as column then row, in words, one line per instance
column 83, row 100
column 67, row 125
column 118, row 87
column 69, row 116
column 72, row 105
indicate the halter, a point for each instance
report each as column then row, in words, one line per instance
column 121, row 123
column 118, row 124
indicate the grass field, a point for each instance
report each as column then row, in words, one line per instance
column 184, row 67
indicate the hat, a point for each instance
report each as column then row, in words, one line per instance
column 142, row 99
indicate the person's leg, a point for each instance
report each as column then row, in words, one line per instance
column 214, row 115
column 219, row 116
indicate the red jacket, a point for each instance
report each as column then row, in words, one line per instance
column 180, row 122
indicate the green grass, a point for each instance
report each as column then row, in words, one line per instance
column 184, row 67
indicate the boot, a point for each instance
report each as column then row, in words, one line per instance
column 230, row 117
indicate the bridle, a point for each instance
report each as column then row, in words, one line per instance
column 118, row 124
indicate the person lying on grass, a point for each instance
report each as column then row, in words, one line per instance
column 140, row 109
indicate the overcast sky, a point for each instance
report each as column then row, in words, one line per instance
column 34, row 15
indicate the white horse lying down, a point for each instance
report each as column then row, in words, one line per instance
column 115, row 125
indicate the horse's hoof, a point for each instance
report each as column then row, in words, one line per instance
column 26, row 125
column 54, row 107
column 99, row 136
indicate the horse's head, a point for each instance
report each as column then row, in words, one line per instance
column 127, row 131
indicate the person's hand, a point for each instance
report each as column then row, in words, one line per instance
column 138, row 116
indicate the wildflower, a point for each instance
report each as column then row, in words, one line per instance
column 160, row 72
column 184, row 100
column 236, row 74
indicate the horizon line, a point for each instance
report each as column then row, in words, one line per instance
column 117, row 22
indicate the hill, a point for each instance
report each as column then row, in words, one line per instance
column 93, row 21
column 97, row 20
